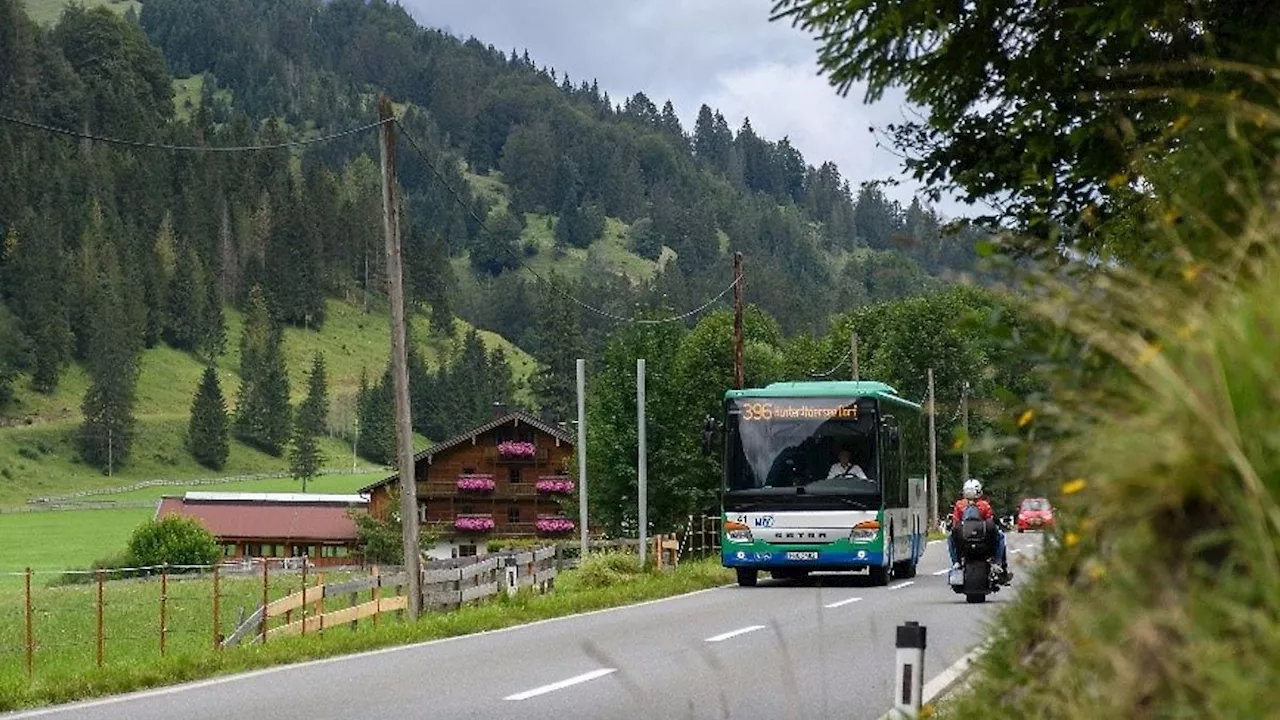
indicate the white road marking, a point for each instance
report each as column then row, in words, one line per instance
column 899, row 586
column 584, row 677
column 1015, row 551
column 842, row 602
column 735, row 633
column 934, row 542
column 248, row 675
column 943, row 571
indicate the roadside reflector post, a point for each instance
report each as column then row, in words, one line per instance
column 908, row 683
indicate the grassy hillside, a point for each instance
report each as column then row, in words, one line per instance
column 47, row 12
column 37, row 455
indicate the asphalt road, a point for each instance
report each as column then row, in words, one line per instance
column 819, row 649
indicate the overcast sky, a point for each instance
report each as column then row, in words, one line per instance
column 724, row 53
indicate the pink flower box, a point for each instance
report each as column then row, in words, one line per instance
column 554, row 485
column 475, row 483
column 511, row 448
column 554, row 524
column 473, row 523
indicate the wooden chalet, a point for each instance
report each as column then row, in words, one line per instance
column 274, row 525
column 506, row 478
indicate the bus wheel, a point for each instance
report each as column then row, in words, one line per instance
column 747, row 577
column 905, row 569
column 879, row 575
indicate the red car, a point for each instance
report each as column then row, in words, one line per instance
column 1033, row 514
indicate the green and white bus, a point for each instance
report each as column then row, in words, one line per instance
column 793, row 503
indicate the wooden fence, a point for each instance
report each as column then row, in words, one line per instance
column 446, row 585
column 310, row 604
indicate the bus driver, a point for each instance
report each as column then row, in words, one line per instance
column 845, row 467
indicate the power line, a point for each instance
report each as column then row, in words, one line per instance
column 189, row 148
column 839, row 364
column 605, row 313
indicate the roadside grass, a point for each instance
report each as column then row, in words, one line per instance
column 72, row 674
column 1162, row 598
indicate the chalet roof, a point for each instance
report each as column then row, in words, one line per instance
column 268, row 516
column 516, row 416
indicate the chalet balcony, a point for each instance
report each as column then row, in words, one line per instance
column 473, row 522
column 523, row 529
column 449, row 488
column 554, row 525
column 517, row 453
column 475, row 483
column 554, row 485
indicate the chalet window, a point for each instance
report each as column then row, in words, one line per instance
column 466, row 550
column 468, row 471
column 514, row 475
column 467, row 509
column 513, row 514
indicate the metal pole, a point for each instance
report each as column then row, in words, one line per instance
column 933, row 457
column 908, row 683
column 642, row 483
column 964, row 410
column 853, row 353
column 582, row 456
column 400, row 362
column 739, row 371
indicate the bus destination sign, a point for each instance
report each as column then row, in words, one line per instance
column 787, row 410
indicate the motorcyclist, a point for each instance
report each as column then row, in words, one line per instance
column 972, row 496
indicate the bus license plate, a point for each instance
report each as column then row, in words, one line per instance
column 802, row 556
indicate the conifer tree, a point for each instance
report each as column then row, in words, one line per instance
column 262, row 410
column 106, row 435
column 187, row 294
column 377, row 442
column 207, row 434
column 305, row 457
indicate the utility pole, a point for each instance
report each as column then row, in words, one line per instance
column 642, row 471
column 582, row 455
column 853, row 353
column 111, row 453
column 738, row 368
column 355, row 441
column 933, row 457
column 964, row 411
column 400, row 361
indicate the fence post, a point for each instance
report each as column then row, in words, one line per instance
column 377, row 595
column 262, row 621
column 304, row 596
column 31, row 638
column 320, row 608
column 99, row 617
column 217, row 615
column 909, row 677
column 164, row 596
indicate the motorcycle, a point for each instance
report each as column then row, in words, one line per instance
column 978, row 576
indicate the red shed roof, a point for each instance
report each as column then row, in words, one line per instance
column 244, row 517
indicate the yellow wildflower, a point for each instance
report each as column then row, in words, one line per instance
column 1071, row 487
column 1025, row 418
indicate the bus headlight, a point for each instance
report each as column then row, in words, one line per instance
column 865, row 531
column 737, row 532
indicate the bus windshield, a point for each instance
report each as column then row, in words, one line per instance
column 825, row 446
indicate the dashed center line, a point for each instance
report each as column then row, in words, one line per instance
column 843, row 602
column 734, row 633
column 561, row 685
column 899, row 586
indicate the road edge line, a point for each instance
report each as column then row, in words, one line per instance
column 259, row 672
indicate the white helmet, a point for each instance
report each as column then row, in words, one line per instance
column 972, row 488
